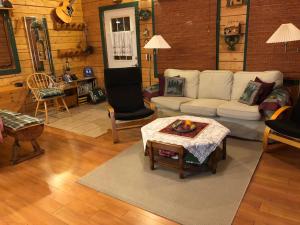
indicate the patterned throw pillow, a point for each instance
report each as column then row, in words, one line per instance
column 251, row 93
column 267, row 88
column 174, row 86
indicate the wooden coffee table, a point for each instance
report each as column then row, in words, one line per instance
column 207, row 142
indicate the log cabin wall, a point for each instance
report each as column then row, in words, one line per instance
column 232, row 60
column 91, row 17
column 58, row 39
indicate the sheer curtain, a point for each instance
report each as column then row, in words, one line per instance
column 122, row 43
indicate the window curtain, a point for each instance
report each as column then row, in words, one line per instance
column 122, row 43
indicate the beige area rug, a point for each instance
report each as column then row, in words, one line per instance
column 89, row 120
column 203, row 199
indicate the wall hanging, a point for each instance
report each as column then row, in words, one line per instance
column 145, row 14
column 232, row 34
column 232, row 3
column 39, row 44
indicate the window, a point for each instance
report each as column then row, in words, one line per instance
column 9, row 61
column 122, row 39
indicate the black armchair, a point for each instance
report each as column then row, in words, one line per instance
column 283, row 127
column 124, row 95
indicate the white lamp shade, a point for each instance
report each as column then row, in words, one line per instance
column 285, row 33
column 157, row 42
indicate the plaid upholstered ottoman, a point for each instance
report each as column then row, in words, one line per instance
column 22, row 128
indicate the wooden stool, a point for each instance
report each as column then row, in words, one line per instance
column 28, row 133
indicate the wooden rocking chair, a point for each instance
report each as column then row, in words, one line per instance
column 44, row 90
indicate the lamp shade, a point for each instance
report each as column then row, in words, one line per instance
column 157, row 42
column 285, row 33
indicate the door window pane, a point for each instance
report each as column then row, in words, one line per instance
column 127, row 23
column 122, row 39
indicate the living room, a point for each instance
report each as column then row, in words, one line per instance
column 149, row 112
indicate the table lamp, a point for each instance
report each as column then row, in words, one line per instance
column 155, row 43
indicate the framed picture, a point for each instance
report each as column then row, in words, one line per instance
column 1, row 3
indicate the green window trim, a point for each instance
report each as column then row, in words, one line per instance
column 13, row 45
column 137, row 24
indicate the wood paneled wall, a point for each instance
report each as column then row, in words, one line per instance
column 58, row 39
column 232, row 60
column 91, row 17
column 264, row 18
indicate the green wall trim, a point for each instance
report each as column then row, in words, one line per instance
column 137, row 24
column 154, row 32
column 218, row 21
column 13, row 45
column 246, row 36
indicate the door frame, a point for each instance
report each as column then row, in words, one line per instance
column 137, row 24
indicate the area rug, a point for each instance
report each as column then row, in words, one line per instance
column 89, row 120
column 203, row 198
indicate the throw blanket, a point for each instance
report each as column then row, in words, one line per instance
column 16, row 121
column 1, row 129
column 278, row 98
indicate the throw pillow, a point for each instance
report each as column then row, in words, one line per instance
column 174, row 86
column 162, row 81
column 251, row 93
column 266, row 89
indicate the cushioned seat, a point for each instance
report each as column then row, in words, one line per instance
column 50, row 92
column 285, row 127
column 138, row 114
column 124, row 95
column 170, row 102
column 237, row 110
column 202, row 107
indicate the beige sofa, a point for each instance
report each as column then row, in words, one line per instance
column 215, row 94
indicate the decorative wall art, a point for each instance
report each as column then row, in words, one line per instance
column 232, row 34
column 232, row 3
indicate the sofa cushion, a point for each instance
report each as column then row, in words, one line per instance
column 215, row 84
column 202, row 107
column 170, row 102
column 237, row 110
column 241, row 79
column 191, row 80
column 50, row 92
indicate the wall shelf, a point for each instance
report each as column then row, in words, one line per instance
column 68, row 26
column 70, row 53
column 6, row 9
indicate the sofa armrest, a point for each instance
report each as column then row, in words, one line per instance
column 280, row 111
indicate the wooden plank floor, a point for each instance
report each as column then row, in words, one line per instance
column 44, row 190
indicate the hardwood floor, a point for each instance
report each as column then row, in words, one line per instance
column 44, row 190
